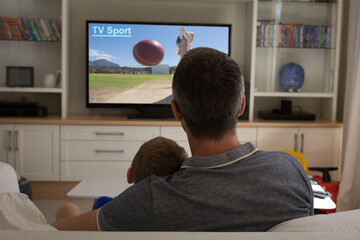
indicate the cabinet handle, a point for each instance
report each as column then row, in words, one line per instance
column 109, row 151
column 296, row 142
column 10, row 145
column 16, row 147
column 302, row 143
column 110, row 133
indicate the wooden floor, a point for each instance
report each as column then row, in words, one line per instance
column 51, row 189
column 48, row 196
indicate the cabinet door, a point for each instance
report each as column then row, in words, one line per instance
column 277, row 139
column 322, row 148
column 247, row 134
column 178, row 135
column 37, row 151
column 7, row 144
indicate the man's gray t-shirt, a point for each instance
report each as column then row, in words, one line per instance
column 244, row 189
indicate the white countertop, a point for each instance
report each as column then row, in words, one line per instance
column 109, row 184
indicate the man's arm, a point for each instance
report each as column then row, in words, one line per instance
column 83, row 222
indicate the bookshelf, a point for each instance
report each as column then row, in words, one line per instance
column 306, row 33
column 34, row 34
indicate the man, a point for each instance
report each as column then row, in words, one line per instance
column 224, row 186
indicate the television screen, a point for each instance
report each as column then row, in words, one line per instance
column 132, row 64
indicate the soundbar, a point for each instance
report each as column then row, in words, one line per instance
column 271, row 115
column 24, row 112
column 22, row 109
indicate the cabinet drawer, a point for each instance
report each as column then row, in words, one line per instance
column 129, row 133
column 174, row 133
column 99, row 150
column 78, row 170
column 178, row 135
column 247, row 134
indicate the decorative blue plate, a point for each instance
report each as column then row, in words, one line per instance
column 291, row 77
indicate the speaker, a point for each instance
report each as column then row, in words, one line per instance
column 286, row 106
column 19, row 76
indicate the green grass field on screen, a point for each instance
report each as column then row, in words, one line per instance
column 124, row 81
column 103, row 87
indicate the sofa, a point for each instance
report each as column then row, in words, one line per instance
column 341, row 225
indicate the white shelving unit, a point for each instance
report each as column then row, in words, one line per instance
column 321, row 64
column 46, row 57
column 261, row 64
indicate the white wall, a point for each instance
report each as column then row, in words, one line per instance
column 155, row 11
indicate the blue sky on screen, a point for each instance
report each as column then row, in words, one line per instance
column 118, row 49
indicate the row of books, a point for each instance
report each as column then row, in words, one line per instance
column 294, row 35
column 27, row 28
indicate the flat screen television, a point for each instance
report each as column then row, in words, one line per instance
column 131, row 64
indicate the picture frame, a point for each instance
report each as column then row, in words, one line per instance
column 19, row 76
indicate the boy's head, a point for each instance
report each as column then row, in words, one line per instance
column 159, row 156
column 208, row 92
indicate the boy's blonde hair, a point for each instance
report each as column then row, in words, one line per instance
column 159, row 156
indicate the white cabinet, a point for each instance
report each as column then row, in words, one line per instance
column 178, row 135
column 88, row 149
column 321, row 147
column 245, row 134
column 50, row 152
column 277, row 139
column 33, row 150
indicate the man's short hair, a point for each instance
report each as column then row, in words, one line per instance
column 208, row 89
column 159, row 156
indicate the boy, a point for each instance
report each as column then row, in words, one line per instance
column 159, row 156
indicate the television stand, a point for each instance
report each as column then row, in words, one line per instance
column 153, row 112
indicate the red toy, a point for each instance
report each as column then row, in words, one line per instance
column 148, row 52
column 328, row 186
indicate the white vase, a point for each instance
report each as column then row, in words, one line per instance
column 49, row 81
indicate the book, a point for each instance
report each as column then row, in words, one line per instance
column 43, row 29
column 14, row 29
column 5, row 25
column 29, row 31
column 287, row 35
column 55, row 27
column 2, row 31
column 34, row 31
column 27, row 35
column 52, row 34
column 259, row 35
column 22, row 31
column 298, row 35
column 58, row 27
column 39, row 30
